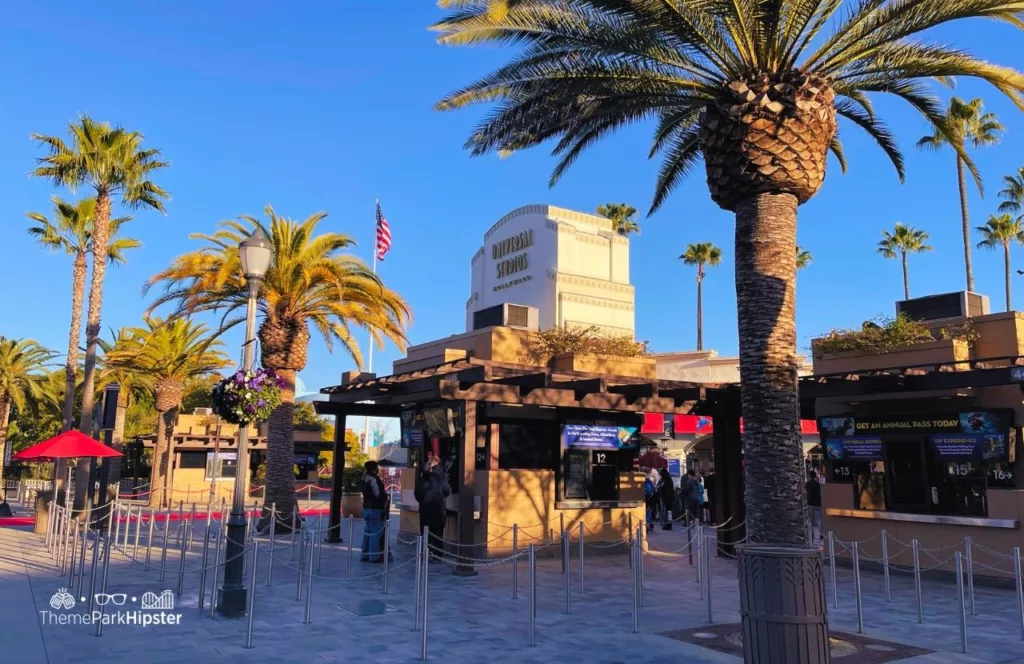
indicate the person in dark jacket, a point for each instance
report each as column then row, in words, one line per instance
column 375, row 510
column 667, row 494
column 432, row 490
column 813, row 489
column 709, row 491
column 689, row 490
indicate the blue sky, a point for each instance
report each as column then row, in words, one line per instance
column 323, row 105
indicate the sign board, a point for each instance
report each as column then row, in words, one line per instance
column 598, row 436
column 675, row 467
column 413, row 436
column 854, row 448
column 969, row 446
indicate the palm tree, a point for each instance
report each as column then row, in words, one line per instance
column 901, row 241
column 621, row 215
column 803, row 258
column 23, row 376
column 1001, row 231
column 965, row 123
column 169, row 353
column 1012, row 193
column 310, row 283
column 755, row 89
column 70, row 231
column 117, row 366
column 113, row 163
column 701, row 254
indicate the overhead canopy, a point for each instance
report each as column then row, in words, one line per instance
column 68, row 445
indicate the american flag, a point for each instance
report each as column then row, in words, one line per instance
column 383, row 234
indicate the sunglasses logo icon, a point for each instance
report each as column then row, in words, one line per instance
column 118, row 599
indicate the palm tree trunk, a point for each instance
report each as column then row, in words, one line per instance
column 280, row 480
column 74, row 338
column 906, row 278
column 966, row 222
column 100, row 240
column 158, row 478
column 5, row 418
column 700, row 310
column 766, row 309
column 114, row 478
column 1006, row 263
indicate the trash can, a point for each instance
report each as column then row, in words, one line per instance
column 43, row 499
column 782, row 605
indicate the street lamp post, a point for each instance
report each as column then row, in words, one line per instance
column 255, row 253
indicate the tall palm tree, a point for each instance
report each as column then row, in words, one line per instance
column 112, row 163
column 621, row 215
column 70, row 231
column 701, row 254
column 169, row 352
column 1012, row 193
column 310, row 283
column 901, row 241
column 755, row 89
column 117, row 366
column 23, row 376
column 803, row 258
column 966, row 122
column 1001, row 231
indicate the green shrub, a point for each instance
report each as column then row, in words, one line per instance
column 582, row 341
column 886, row 334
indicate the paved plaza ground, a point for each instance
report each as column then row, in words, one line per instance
column 471, row 619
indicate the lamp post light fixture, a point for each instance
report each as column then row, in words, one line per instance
column 255, row 253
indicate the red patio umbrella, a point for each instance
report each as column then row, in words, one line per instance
column 68, row 445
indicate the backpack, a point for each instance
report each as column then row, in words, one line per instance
column 700, row 493
column 648, row 488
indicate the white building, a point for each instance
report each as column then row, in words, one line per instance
column 706, row 366
column 572, row 267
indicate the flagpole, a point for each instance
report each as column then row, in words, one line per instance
column 369, row 363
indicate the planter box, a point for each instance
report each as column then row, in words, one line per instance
column 930, row 352
column 638, row 367
column 352, row 504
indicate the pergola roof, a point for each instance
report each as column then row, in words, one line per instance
column 499, row 382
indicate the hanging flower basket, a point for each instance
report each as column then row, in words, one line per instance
column 247, row 396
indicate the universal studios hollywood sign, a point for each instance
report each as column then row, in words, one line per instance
column 511, row 245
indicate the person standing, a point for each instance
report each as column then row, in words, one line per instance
column 688, row 490
column 709, row 491
column 431, row 493
column 650, row 500
column 375, row 500
column 813, row 488
column 667, row 496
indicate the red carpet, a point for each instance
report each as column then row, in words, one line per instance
column 11, row 521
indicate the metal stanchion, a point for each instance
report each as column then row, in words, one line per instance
column 419, row 581
column 531, row 573
column 970, row 573
column 916, row 547
column 634, row 554
column 81, row 557
column 51, row 515
column 581, row 556
column 127, row 530
column 202, row 571
column 631, row 531
column 273, row 531
column 138, row 531
column 689, row 542
column 1020, row 587
column 387, row 552
column 252, row 594
column 74, row 550
column 515, row 561
column 181, row 522
column 426, row 584
column 117, row 522
column 309, row 583
column 885, row 565
column 856, row 587
column 707, row 574
column 565, row 541
column 181, row 562
column 565, row 568
column 960, row 599
column 190, row 532
column 700, row 560
column 351, row 537
column 217, row 560
column 832, row 568
column 103, row 587
column 149, row 536
column 92, row 571
column 163, row 545
column 294, row 517
column 60, row 543
column 302, row 568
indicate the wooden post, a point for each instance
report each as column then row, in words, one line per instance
column 467, row 485
column 728, row 493
column 334, row 529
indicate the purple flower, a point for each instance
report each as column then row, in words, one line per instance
column 250, row 409
column 261, row 403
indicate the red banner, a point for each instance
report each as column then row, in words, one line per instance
column 703, row 425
